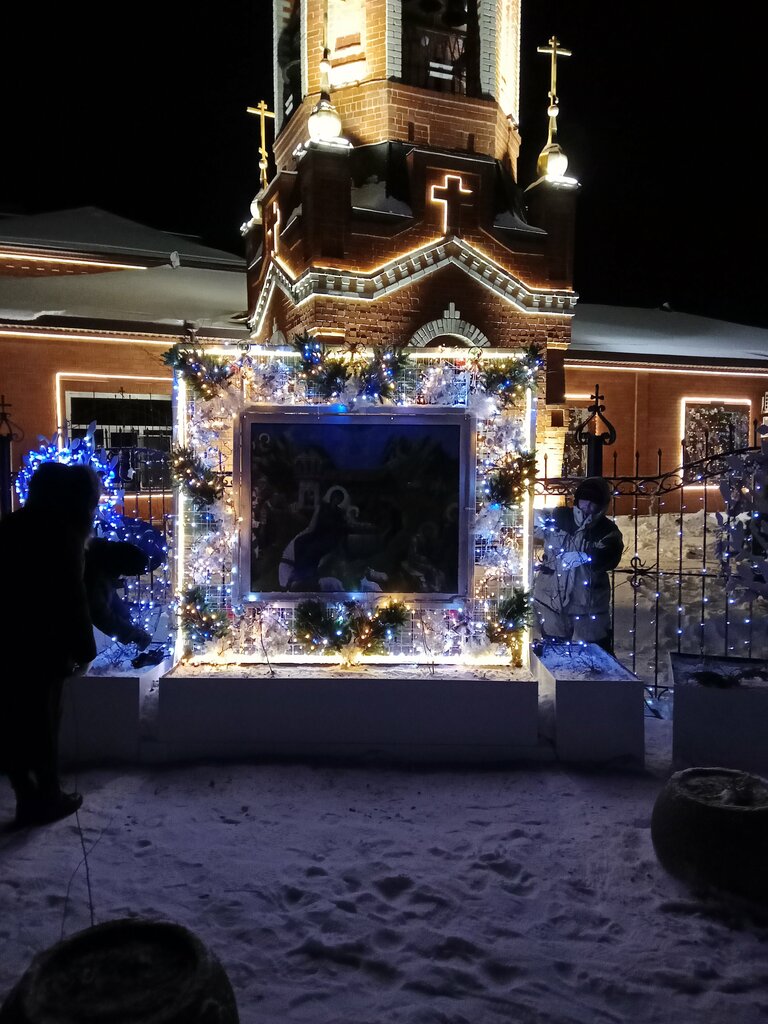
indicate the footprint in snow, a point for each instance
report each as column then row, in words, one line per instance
column 393, row 886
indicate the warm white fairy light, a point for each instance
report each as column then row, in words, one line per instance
column 501, row 428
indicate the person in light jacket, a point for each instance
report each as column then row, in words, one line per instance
column 572, row 590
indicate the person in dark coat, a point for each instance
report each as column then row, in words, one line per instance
column 45, row 631
column 572, row 590
column 106, row 563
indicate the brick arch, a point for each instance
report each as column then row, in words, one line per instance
column 452, row 324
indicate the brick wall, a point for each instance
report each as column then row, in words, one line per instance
column 644, row 406
column 395, row 317
column 380, row 111
column 30, row 367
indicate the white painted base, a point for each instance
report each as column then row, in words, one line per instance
column 372, row 717
column 716, row 727
column 599, row 711
column 101, row 716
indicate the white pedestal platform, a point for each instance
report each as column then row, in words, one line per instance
column 101, row 715
column 305, row 712
column 720, row 727
column 599, row 704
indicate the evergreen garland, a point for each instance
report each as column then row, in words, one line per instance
column 328, row 376
column 205, row 374
column 329, row 629
column 509, row 484
column 507, row 380
column 378, row 379
column 199, row 622
column 513, row 616
column 200, row 482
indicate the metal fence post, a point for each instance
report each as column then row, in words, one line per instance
column 595, row 442
column 8, row 434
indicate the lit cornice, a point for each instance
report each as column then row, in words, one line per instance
column 68, row 335
column 407, row 269
column 658, row 366
column 64, row 335
column 28, row 257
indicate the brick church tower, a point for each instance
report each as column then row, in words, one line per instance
column 395, row 215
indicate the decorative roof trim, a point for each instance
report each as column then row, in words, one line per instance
column 407, row 269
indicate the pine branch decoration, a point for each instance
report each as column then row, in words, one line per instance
column 205, row 374
column 320, row 628
column 379, row 378
column 199, row 481
column 508, row 381
column 513, row 479
column 199, row 622
column 327, row 375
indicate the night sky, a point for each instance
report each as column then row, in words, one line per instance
column 660, row 116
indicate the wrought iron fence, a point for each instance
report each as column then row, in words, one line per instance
column 670, row 591
column 143, row 479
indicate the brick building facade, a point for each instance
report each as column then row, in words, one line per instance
column 411, row 227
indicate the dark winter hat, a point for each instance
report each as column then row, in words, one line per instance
column 594, row 488
column 69, row 492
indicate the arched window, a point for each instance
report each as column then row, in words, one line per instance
column 441, row 45
column 289, row 62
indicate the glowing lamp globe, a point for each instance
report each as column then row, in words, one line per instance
column 552, row 162
column 324, row 123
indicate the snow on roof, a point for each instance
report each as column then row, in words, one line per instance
column 89, row 229
column 373, row 196
column 632, row 334
column 161, row 295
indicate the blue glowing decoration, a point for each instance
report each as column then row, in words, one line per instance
column 81, row 452
column 145, row 600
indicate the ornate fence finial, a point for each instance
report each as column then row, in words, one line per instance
column 595, row 442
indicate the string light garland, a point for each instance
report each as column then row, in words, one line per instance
column 205, row 374
column 200, row 622
column 328, row 376
column 352, row 378
column 508, row 380
column 348, row 626
column 513, row 480
column 145, row 598
column 201, row 483
column 378, row 379
column 81, row 452
column 513, row 617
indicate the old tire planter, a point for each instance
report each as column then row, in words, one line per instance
column 124, row 972
column 709, row 828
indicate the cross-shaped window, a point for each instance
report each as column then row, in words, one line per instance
column 451, row 195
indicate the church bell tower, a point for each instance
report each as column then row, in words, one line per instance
column 395, row 215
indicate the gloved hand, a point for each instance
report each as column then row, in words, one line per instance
column 570, row 559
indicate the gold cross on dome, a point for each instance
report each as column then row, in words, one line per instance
column 261, row 111
column 555, row 50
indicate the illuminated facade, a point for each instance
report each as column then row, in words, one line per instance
column 411, row 204
column 398, row 277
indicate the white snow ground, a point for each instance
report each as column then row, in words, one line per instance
column 364, row 894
